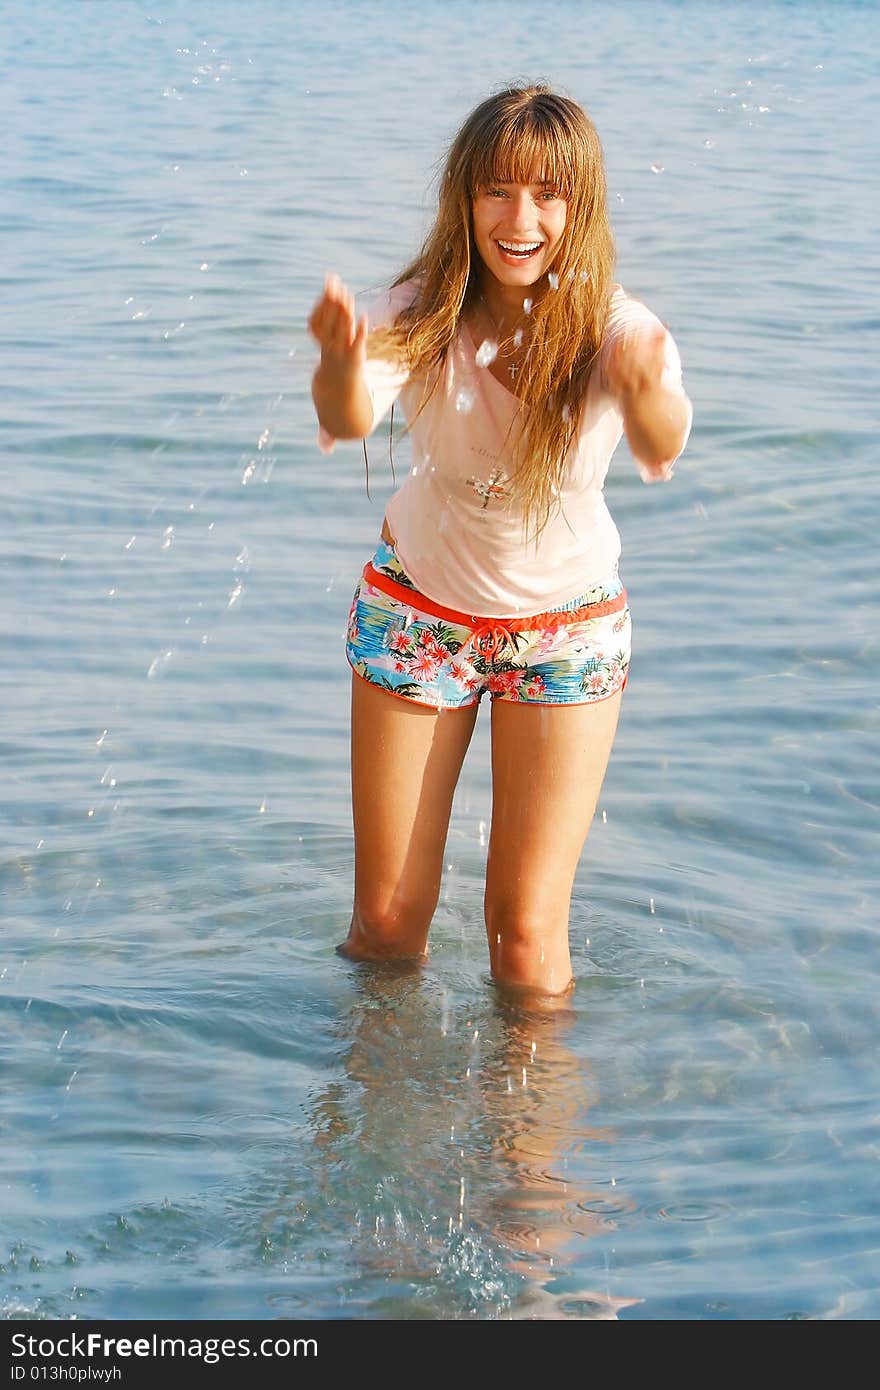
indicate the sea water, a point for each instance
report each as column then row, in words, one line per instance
column 206, row 1113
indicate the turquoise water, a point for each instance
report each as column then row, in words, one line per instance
column 206, row 1113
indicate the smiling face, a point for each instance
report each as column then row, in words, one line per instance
column 518, row 230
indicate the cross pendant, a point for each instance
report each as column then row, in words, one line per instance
column 512, row 371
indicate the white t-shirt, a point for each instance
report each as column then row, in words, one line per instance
column 457, row 535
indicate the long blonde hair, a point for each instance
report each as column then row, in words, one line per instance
column 512, row 137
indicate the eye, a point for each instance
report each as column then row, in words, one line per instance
column 495, row 193
column 550, row 195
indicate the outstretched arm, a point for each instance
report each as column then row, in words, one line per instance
column 339, row 389
column 656, row 417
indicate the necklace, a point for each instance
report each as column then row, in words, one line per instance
column 506, row 346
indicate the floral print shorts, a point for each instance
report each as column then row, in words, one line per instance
column 418, row 650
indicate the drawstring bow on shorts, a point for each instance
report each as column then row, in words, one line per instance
column 489, row 639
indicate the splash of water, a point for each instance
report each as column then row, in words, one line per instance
column 486, row 353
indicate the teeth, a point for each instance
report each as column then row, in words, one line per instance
column 519, row 245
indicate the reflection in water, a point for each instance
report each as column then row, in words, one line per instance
column 450, row 1139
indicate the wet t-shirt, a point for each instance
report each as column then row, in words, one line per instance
column 457, row 530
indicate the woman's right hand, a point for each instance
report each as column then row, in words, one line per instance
column 341, row 336
column 339, row 387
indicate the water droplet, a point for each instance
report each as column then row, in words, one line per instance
column 553, row 280
column 129, row 543
column 168, row 538
column 444, row 1032
column 464, row 401
column 61, row 1040
column 486, row 352
column 527, row 306
column 204, row 265
column 517, row 338
column 585, row 275
column 235, row 593
column 264, row 439
column 159, row 663
column 657, row 168
column 263, row 807
column 604, row 817
column 248, row 472
column 651, row 904
column 708, row 144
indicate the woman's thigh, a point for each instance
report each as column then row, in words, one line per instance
column 548, row 765
column 405, row 762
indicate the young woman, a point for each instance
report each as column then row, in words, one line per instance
column 519, row 365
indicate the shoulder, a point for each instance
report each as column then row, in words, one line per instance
column 626, row 313
column 629, row 317
column 387, row 306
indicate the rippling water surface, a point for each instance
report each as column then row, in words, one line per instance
column 206, row 1113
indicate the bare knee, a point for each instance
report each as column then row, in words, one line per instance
column 528, row 948
column 387, row 929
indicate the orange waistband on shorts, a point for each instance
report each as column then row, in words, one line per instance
column 404, row 594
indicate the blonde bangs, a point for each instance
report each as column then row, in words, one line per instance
column 526, row 150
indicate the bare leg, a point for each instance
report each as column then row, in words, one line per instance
column 548, row 764
column 405, row 762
